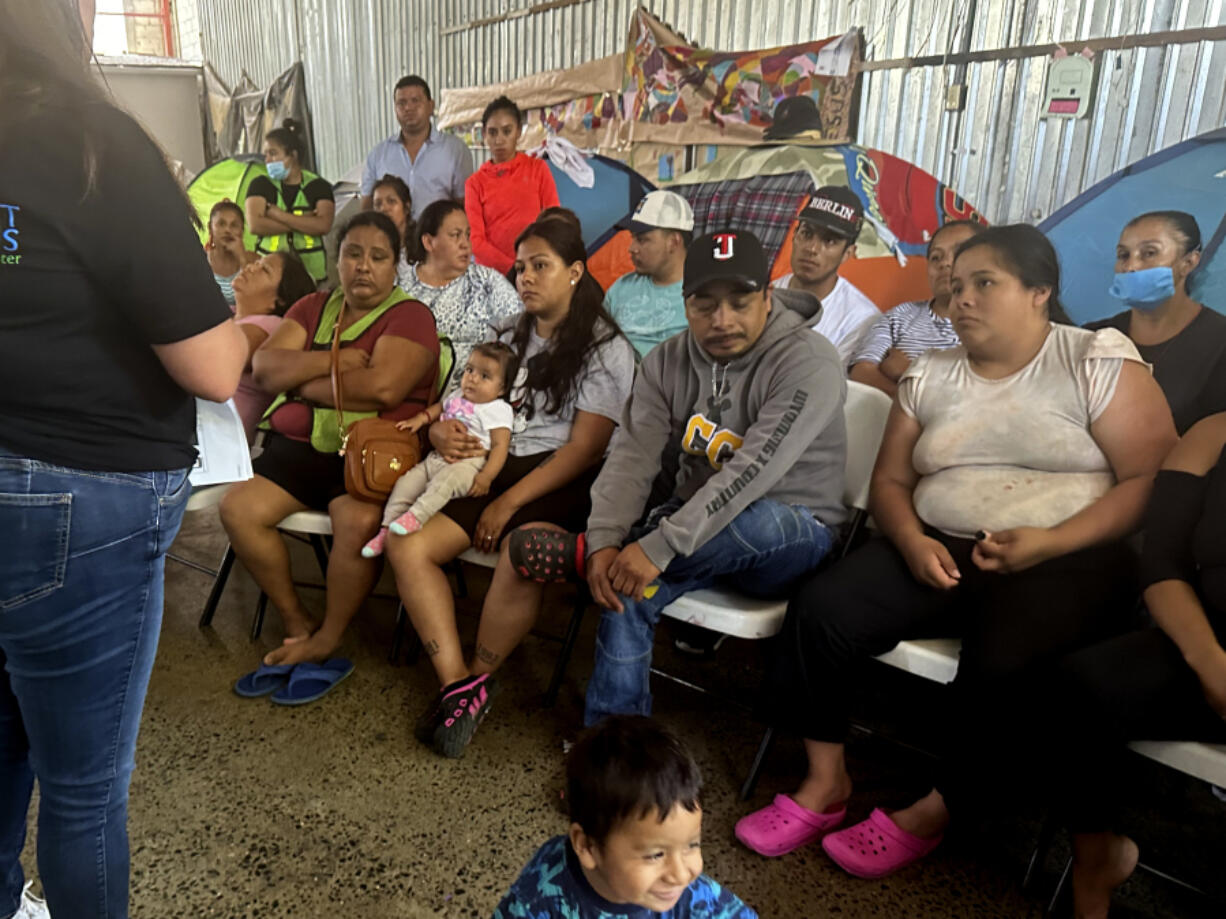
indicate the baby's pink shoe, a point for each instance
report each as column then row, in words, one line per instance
column 374, row 548
column 405, row 524
column 783, row 825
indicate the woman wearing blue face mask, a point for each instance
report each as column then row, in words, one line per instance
column 1184, row 341
column 292, row 206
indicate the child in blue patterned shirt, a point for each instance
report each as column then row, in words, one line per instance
column 633, row 851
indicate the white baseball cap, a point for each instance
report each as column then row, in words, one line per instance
column 660, row 210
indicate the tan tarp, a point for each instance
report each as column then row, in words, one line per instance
column 461, row 108
column 665, row 91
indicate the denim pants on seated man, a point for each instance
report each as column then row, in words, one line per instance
column 80, row 611
column 767, row 547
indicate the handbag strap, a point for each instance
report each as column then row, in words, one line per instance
column 335, row 372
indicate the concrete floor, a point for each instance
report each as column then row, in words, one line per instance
column 245, row 809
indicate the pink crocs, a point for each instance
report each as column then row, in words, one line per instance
column 876, row 847
column 783, row 826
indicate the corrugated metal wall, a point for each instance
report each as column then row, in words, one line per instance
column 999, row 154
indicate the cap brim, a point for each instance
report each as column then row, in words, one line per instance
column 750, row 284
column 635, row 226
column 820, row 220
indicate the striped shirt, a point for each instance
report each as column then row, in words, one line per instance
column 227, row 286
column 912, row 328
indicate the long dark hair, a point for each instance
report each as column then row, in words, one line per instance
column 431, row 222
column 44, row 67
column 1029, row 256
column 556, row 370
column 296, row 282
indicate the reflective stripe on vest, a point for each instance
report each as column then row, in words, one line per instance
column 309, row 248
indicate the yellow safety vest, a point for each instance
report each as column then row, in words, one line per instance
column 309, row 248
column 325, row 435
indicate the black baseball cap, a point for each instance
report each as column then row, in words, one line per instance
column 836, row 208
column 727, row 255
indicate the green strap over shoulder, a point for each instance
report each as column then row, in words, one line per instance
column 325, row 436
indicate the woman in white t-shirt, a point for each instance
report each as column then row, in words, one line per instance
column 575, row 373
column 1012, row 470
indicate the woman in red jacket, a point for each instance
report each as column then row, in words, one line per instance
column 507, row 193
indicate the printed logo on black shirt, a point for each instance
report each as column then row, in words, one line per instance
column 10, row 245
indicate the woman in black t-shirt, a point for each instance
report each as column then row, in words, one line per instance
column 291, row 206
column 111, row 324
column 1185, row 341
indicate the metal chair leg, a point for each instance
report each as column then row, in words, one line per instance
column 759, row 759
column 321, row 553
column 257, row 625
column 1042, row 846
column 582, row 600
column 1059, row 891
column 219, row 584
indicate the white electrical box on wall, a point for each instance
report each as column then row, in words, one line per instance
column 1070, row 87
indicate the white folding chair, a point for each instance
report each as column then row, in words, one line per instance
column 937, row 660
column 724, row 610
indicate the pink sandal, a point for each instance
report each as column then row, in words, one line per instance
column 876, row 847
column 783, row 826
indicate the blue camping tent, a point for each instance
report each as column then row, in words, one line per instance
column 1190, row 176
column 617, row 190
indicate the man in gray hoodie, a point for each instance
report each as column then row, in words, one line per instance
column 754, row 399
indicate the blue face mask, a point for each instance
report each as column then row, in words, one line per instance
column 277, row 170
column 1146, row 289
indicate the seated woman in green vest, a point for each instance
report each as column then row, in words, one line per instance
column 389, row 355
column 291, row 206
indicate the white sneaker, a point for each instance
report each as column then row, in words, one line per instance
column 31, row 907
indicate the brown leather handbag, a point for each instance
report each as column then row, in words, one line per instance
column 376, row 453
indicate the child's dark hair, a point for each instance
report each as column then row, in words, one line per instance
column 502, row 104
column 556, row 370
column 289, row 138
column 227, row 205
column 1182, row 224
column 504, row 354
column 1026, row 254
column 628, row 766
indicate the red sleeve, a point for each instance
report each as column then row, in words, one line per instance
column 549, row 191
column 413, row 320
column 484, row 251
column 307, row 312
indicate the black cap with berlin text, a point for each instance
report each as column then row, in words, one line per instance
column 836, row 208
column 727, row 255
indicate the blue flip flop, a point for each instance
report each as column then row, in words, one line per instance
column 269, row 678
column 311, row 681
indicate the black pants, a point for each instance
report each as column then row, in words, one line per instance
column 1014, row 628
column 1136, row 686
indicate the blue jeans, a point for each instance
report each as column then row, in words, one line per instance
column 80, row 611
column 766, row 547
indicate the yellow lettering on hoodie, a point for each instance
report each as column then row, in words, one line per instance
column 704, row 438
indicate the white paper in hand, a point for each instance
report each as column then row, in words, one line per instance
column 222, row 445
